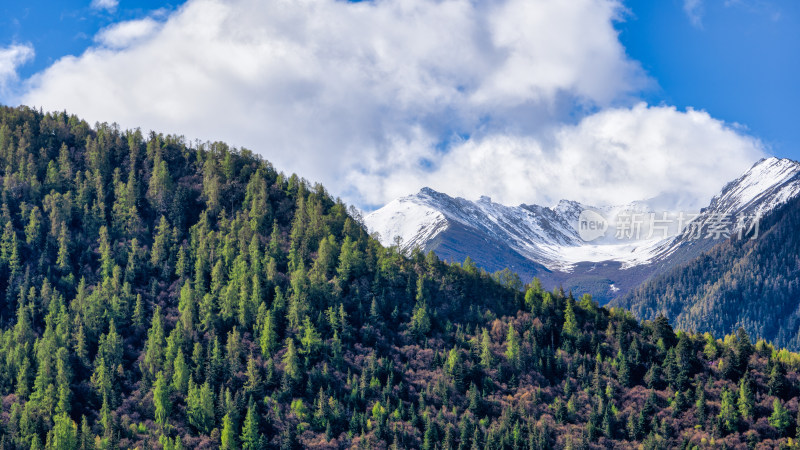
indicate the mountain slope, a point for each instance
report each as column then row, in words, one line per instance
column 156, row 295
column 752, row 283
column 544, row 242
column 769, row 183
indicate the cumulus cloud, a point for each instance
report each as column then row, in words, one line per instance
column 108, row 5
column 675, row 159
column 376, row 99
column 125, row 34
column 11, row 58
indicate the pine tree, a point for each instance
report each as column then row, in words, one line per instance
column 229, row 435
column 187, row 306
column 250, row 435
column 700, row 404
column 200, row 407
column 349, row 260
column 486, row 350
column 746, row 402
column 454, row 368
column 420, row 320
column 309, row 339
column 64, row 434
column 62, row 261
column 290, row 362
column 154, row 348
column 777, row 380
column 9, row 250
column 474, row 399
column 728, row 414
column 86, row 441
column 106, row 258
column 159, row 190
column 180, row 374
column 33, row 230
column 161, row 245
column 512, row 345
column 161, row 401
column 269, row 337
column 570, row 327
column 780, row 418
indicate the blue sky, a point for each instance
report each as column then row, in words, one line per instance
column 65, row 27
column 524, row 101
column 740, row 62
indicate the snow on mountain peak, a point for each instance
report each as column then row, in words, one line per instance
column 769, row 183
column 545, row 235
column 409, row 221
column 549, row 235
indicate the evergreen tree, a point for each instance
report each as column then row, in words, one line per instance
column 777, row 380
column 161, row 401
column 229, row 437
column 570, row 327
column 746, row 402
column 250, row 435
column 728, row 414
column 512, row 345
column 154, row 348
column 63, row 249
column 290, row 361
column 64, row 435
column 780, row 418
column 700, row 404
column 269, row 336
column 380, row 349
column 200, row 407
column 180, row 374
column 106, row 258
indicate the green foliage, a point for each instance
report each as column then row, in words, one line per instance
column 200, row 407
column 746, row 401
column 230, row 440
column 739, row 282
column 512, row 345
column 250, row 436
column 172, row 296
column 780, row 418
column 161, row 393
column 570, row 327
column 728, row 414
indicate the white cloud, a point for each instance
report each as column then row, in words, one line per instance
column 11, row 58
column 694, row 11
column 108, row 5
column 127, row 33
column 619, row 155
column 376, row 99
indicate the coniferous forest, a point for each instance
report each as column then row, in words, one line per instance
column 752, row 283
column 157, row 294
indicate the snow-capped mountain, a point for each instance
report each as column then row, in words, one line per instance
column 769, row 183
column 544, row 235
column 545, row 241
column 418, row 220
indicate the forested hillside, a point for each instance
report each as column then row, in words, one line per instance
column 750, row 283
column 162, row 295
